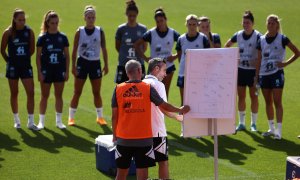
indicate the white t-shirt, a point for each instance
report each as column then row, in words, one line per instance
column 157, row 117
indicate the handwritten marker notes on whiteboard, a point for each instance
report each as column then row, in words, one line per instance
column 210, row 82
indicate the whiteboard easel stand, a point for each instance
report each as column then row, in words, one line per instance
column 216, row 170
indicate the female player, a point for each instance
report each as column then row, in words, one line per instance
column 190, row 40
column 18, row 38
column 52, row 59
column 204, row 27
column 269, row 69
column 88, row 41
column 247, row 40
column 127, row 34
column 161, row 39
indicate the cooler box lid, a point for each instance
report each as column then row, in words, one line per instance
column 106, row 142
column 294, row 159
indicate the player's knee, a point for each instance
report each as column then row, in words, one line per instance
column 96, row 94
column 77, row 93
column 14, row 93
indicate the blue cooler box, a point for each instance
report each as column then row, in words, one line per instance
column 292, row 167
column 105, row 156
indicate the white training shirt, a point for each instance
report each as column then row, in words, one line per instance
column 186, row 44
column 271, row 54
column 157, row 117
column 248, row 51
column 89, row 46
column 162, row 47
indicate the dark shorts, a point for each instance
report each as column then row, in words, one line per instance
column 143, row 156
column 121, row 75
column 272, row 81
column 54, row 73
column 21, row 70
column 160, row 146
column 246, row 77
column 87, row 68
column 180, row 82
column 171, row 69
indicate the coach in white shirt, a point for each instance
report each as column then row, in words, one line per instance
column 156, row 73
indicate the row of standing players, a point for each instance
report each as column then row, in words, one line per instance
column 261, row 60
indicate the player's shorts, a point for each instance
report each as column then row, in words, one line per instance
column 121, row 75
column 160, row 146
column 246, row 77
column 143, row 156
column 54, row 73
column 171, row 69
column 89, row 68
column 19, row 70
column 272, row 81
column 180, row 81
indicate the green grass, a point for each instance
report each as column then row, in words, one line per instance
column 69, row 154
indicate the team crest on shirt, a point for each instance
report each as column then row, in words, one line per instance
column 250, row 45
column 139, row 33
column 197, row 45
column 59, row 39
column 47, row 40
column 275, row 47
column 26, row 34
column 126, row 33
column 50, row 46
column 168, row 43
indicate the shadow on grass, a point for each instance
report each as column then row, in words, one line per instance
column 71, row 140
column 39, row 141
column 8, row 143
column 283, row 145
column 95, row 134
column 1, row 159
column 229, row 148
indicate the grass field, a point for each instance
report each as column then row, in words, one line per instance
column 69, row 154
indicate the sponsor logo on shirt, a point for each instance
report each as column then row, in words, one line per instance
column 132, row 92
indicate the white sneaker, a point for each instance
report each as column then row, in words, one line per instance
column 41, row 125
column 32, row 126
column 17, row 125
column 60, row 125
column 268, row 133
column 277, row 136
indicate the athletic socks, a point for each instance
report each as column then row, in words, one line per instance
column 253, row 118
column 41, row 124
column 279, row 128
column 99, row 112
column 30, row 119
column 271, row 125
column 242, row 115
column 72, row 112
column 58, row 117
column 17, row 118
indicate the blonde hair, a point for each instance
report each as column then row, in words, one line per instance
column 191, row 17
column 204, row 19
column 49, row 15
column 89, row 9
column 276, row 19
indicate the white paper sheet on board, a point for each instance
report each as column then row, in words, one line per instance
column 210, row 90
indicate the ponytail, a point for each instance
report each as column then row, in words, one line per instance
column 131, row 6
column 16, row 13
column 50, row 14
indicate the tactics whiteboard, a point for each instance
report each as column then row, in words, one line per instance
column 210, row 90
